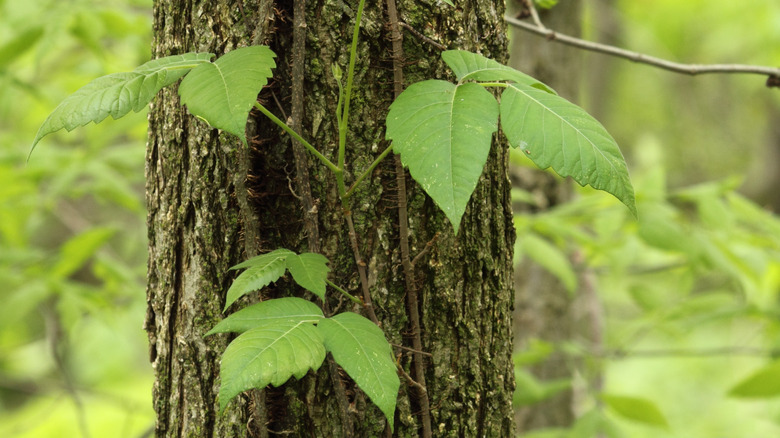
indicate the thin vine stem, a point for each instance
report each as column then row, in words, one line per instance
column 348, row 90
column 368, row 171
column 343, row 292
column 329, row 164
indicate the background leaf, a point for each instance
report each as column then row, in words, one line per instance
column 119, row 93
column 269, row 354
column 261, row 271
column 18, row 45
column 467, row 65
column 763, row 383
column 78, row 250
column 269, row 312
column 360, row 347
column 443, row 133
column 222, row 93
column 310, row 271
column 550, row 257
column 637, row 409
column 554, row 132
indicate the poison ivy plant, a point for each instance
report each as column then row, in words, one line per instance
column 443, row 131
column 286, row 337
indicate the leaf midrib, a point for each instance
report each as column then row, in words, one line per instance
column 365, row 354
column 563, row 120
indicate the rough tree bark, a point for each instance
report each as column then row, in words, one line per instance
column 213, row 203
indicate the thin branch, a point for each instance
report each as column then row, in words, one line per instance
column 679, row 352
column 690, row 69
column 343, row 292
column 404, row 347
column 422, row 37
column 425, row 250
column 411, row 381
column 368, row 304
column 368, row 171
column 534, row 14
column 412, row 302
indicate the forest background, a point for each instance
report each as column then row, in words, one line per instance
column 686, row 296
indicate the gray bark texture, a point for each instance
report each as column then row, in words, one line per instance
column 213, row 203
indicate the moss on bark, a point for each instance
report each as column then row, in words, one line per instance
column 204, row 217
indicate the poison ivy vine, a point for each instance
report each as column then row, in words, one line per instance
column 442, row 132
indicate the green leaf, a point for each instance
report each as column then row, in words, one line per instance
column 117, row 94
column 269, row 354
column 361, row 349
column 262, row 259
column 310, row 271
column 637, row 409
column 443, row 134
column 554, row 132
column 222, row 93
column 269, row 268
column 763, row 383
column 269, row 312
column 473, row 66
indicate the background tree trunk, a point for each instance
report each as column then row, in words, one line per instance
column 544, row 309
column 212, row 203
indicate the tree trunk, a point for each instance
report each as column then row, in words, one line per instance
column 213, row 203
column 544, row 309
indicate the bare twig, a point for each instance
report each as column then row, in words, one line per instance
column 404, row 347
column 425, row 250
column 368, row 304
column 773, row 73
column 422, row 37
column 411, row 381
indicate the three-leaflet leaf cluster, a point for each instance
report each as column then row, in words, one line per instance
column 285, row 337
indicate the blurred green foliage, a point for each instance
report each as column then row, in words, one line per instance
column 72, row 247
column 690, row 290
column 688, row 293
